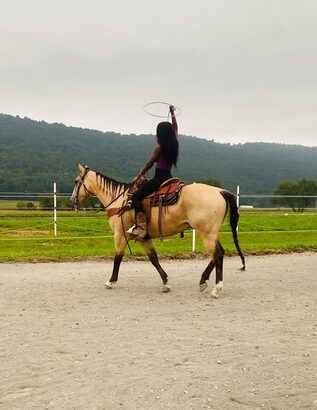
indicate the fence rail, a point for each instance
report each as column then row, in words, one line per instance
column 57, row 217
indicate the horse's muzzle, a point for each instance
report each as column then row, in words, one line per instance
column 74, row 204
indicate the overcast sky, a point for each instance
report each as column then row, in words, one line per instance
column 240, row 70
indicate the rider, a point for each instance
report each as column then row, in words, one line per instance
column 165, row 155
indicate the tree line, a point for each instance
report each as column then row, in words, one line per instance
column 35, row 154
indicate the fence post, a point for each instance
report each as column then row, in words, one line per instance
column 194, row 241
column 238, row 202
column 55, row 211
column 194, row 238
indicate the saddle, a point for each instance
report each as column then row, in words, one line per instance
column 167, row 194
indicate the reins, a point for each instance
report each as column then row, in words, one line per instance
column 123, row 230
column 110, row 203
column 82, row 183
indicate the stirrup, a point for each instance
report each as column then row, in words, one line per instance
column 130, row 230
column 137, row 232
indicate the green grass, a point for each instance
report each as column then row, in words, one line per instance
column 29, row 235
column 8, row 204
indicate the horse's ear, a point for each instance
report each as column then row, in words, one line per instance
column 81, row 169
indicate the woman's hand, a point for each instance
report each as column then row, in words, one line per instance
column 172, row 109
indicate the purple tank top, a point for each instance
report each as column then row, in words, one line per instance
column 161, row 163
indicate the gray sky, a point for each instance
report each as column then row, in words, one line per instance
column 240, row 70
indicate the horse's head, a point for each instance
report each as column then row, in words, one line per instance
column 82, row 187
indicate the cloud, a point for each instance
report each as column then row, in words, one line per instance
column 241, row 71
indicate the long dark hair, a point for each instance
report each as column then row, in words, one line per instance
column 168, row 142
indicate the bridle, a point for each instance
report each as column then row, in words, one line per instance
column 81, row 182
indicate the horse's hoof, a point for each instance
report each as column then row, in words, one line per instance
column 214, row 294
column 203, row 286
column 166, row 288
column 216, row 289
column 109, row 285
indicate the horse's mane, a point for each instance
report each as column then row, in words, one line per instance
column 110, row 185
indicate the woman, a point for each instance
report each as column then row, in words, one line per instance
column 165, row 155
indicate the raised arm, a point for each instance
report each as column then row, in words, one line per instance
column 174, row 122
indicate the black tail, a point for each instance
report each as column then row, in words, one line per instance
column 234, row 218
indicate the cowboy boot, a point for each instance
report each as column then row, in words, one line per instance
column 139, row 229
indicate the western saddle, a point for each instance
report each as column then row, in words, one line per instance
column 167, row 194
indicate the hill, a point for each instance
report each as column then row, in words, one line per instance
column 35, row 154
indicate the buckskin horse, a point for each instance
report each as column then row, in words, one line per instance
column 199, row 206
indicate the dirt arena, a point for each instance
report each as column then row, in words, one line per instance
column 67, row 343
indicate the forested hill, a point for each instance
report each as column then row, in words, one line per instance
column 34, row 154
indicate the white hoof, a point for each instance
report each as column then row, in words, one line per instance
column 166, row 288
column 216, row 290
column 203, row 286
column 109, row 285
column 214, row 293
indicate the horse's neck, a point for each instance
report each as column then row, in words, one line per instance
column 110, row 193
column 113, row 200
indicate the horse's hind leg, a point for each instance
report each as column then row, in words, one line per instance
column 152, row 255
column 218, row 262
column 219, row 254
column 215, row 249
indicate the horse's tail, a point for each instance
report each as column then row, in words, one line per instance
column 234, row 218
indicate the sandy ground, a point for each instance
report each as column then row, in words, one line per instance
column 67, row 343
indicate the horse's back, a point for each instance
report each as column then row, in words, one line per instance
column 199, row 206
column 203, row 194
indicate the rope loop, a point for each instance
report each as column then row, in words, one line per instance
column 150, row 109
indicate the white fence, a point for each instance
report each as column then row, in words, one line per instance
column 25, row 197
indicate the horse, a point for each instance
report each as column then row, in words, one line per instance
column 199, row 206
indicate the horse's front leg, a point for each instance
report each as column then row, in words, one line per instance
column 152, row 255
column 115, row 271
column 120, row 244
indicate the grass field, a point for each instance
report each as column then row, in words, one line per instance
column 29, row 235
